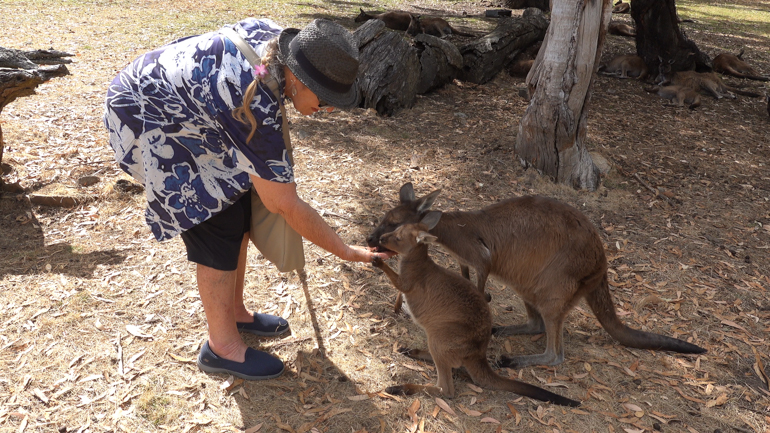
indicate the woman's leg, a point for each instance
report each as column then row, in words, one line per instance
column 217, row 290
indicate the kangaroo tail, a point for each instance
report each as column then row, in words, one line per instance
column 600, row 301
column 747, row 93
column 483, row 375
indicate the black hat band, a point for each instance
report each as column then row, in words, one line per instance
column 314, row 73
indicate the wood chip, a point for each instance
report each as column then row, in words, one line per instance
column 40, row 395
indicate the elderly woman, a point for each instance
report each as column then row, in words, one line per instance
column 198, row 126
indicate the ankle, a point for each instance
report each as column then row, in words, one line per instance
column 234, row 351
column 243, row 315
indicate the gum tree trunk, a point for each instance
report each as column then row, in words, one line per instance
column 552, row 133
column 658, row 36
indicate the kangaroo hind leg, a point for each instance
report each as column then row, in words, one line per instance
column 534, row 325
column 554, row 350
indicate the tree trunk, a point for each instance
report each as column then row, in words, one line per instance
column 552, row 133
column 658, row 37
column 485, row 57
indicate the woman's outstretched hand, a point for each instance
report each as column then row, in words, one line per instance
column 365, row 254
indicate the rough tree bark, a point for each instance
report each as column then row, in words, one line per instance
column 440, row 62
column 552, row 133
column 658, row 36
column 389, row 69
column 485, row 57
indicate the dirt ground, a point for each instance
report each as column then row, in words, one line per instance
column 100, row 324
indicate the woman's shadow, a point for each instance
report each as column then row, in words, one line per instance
column 24, row 250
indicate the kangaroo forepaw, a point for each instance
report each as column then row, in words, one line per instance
column 405, row 351
column 506, row 362
column 377, row 262
column 488, row 297
column 396, row 390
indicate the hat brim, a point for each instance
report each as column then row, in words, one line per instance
column 347, row 100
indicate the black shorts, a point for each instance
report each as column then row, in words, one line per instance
column 216, row 242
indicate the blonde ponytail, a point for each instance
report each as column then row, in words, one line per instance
column 243, row 113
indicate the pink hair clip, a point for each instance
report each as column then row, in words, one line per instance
column 260, row 71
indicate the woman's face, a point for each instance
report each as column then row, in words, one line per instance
column 304, row 100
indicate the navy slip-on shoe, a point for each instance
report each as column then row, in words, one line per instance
column 264, row 325
column 258, row 365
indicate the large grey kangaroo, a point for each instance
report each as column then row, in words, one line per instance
column 545, row 250
column 454, row 315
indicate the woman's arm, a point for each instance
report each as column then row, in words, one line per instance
column 281, row 198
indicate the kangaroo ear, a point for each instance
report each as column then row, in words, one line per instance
column 425, row 238
column 424, row 203
column 431, row 219
column 406, row 193
column 362, row 10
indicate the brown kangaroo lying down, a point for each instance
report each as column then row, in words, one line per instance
column 545, row 250
column 621, row 29
column 625, row 66
column 678, row 95
column 730, row 64
column 520, row 68
column 452, row 312
column 396, row 20
column 433, row 26
column 708, row 82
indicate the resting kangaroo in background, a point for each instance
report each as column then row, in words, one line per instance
column 705, row 81
column 730, row 64
column 452, row 312
column 438, row 27
column 625, row 66
column 545, row 250
column 621, row 29
column 396, row 20
column 621, row 8
column 520, row 68
column 678, row 95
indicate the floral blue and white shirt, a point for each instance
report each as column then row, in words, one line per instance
column 169, row 116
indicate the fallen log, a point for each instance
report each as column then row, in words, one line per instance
column 487, row 56
column 440, row 62
column 389, row 69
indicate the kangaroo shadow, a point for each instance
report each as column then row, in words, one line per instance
column 23, row 249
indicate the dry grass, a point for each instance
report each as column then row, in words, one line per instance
column 100, row 324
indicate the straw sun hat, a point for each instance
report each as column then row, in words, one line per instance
column 324, row 57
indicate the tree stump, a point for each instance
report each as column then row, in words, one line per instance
column 25, row 77
column 389, row 69
column 488, row 55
